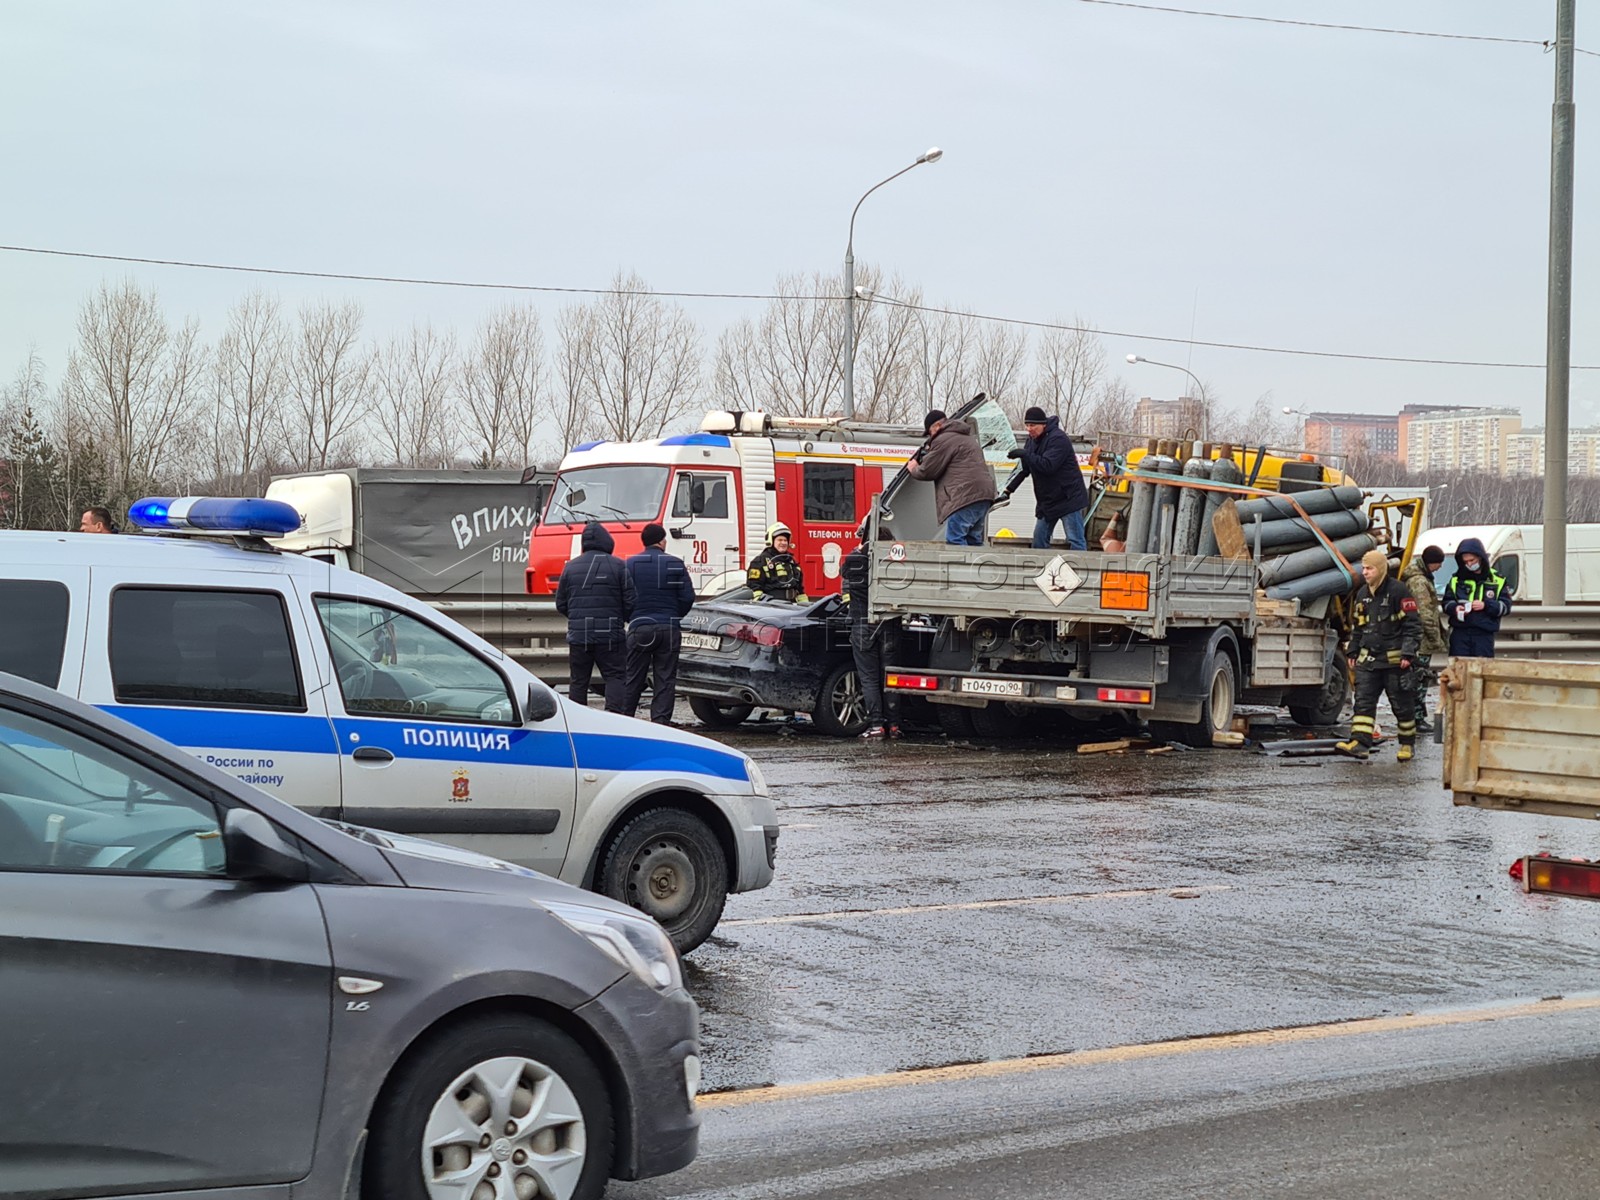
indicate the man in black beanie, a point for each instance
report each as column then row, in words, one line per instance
column 663, row 595
column 1049, row 458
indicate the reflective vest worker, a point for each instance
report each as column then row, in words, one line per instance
column 1383, row 648
column 1475, row 600
column 775, row 572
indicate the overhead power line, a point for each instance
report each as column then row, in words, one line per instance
column 927, row 308
column 1418, row 33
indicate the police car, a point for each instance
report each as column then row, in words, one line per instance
column 359, row 704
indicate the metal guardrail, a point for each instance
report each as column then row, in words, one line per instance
column 1568, row 632
column 531, row 632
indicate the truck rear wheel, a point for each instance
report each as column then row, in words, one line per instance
column 1216, row 707
column 1329, row 705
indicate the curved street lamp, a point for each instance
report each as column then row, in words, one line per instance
column 932, row 155
column 1205, row 402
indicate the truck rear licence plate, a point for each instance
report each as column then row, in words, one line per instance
column 702, row 641
column 992, row 687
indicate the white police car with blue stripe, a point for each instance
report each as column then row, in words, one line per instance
column 349, row 699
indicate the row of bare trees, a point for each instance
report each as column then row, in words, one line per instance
column 143, row 402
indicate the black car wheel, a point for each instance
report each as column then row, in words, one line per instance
column 719, row 714
column 1330, row 703
column 841, row 708
column 1216, row 709
column 669, row 864
column 509, row 1102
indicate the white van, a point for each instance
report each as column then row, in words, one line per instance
column 346, row 698
column 1517, row 552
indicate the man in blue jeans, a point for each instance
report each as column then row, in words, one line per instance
column 963, row 484
column 1049, row 458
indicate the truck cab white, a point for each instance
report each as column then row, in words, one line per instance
column 348, row 699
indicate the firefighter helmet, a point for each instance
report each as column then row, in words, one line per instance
column 776, row 528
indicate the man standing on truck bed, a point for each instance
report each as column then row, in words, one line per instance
column 1383, row 647
column 595, row 594
column 1050, row 458
column 963, row 484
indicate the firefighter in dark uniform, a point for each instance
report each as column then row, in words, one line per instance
column 774, row 572
column 1383, row 647
column 873, row 646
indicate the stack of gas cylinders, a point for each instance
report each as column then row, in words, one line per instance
column 1294, row 562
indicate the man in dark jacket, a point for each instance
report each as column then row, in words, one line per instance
column 775, row 571
column 662, row 595
column 1418, row 576
column 1049, row 458
column 595, row 594
column 1475, row 600
column 963, row 484
column 1383, row 647
column 872, row 646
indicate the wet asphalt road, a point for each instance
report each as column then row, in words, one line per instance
column 942, row 903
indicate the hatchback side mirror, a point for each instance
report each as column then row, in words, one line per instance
column 256, row 849
column 541, row 705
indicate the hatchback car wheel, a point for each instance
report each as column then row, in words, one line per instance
column 719, row 714
column 500, row 1109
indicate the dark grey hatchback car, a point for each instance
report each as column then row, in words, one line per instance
column 206, row 991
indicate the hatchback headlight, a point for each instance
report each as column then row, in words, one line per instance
column 636, row 943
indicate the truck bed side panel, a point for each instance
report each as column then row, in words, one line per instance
column 1524, row 735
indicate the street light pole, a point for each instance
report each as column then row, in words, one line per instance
column 1205, row 404
column 931, row 156
column 1558, row 333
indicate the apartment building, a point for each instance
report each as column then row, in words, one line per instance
column 1460, row 439
column 1525, row 452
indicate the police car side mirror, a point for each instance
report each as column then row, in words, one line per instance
column 541, row 705
column 255, row 849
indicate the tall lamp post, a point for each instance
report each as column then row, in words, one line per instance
column 1304, row 416
column 933, row 155
column 1205, row 404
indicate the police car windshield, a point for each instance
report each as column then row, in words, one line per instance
column 607, row 494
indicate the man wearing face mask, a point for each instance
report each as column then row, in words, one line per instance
column 1384, row 643
column 1475, row 600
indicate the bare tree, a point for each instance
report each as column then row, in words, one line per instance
column 889, row 349
column 1108, row 416
column 414, row 398
column 1069, row 372
column 630, row 359
column 329, row 376
column 998, row 359
column 502, row 386
column 250, row 372
column 950, row 344
column 133, row 379
column 789, row 361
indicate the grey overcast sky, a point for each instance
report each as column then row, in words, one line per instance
column 1153, row 172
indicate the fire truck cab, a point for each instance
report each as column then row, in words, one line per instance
column 717, row 490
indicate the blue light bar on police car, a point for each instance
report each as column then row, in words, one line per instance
column 250, row 516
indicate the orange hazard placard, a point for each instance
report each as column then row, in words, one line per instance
column 1125, row 589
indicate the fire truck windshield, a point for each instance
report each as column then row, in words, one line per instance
column 607, row 494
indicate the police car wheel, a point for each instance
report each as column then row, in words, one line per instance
column 509, row 1101
column 669, row 864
